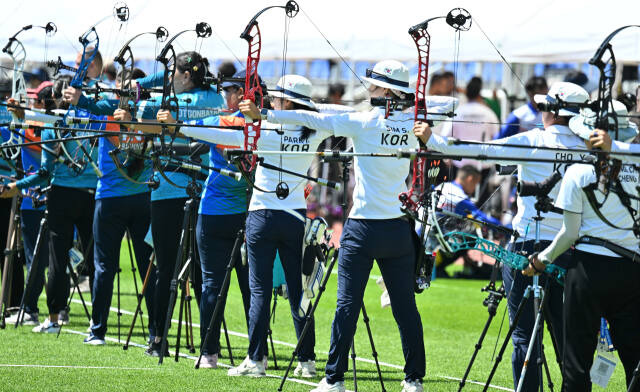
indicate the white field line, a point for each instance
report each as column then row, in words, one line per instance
column 73, row 367
column 194, row 358
column 287, row 344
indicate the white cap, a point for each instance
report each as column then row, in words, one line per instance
column 294, row 88
column 390, row 74
column 584, row 124
column 567, row 92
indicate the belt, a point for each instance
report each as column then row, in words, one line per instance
column 615, row 248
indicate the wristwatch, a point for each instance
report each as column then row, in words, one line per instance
column 263, row 113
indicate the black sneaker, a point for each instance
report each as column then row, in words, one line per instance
column 154, row 350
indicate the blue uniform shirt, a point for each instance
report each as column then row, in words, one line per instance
column 222, row 195
column 193, row 105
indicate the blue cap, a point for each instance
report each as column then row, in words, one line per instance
column 241, row 75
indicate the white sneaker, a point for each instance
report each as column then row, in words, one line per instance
column 94, row 341
column 305, row 369
column 209, row 361
column 412, row 386
column 27, row 319
column 47, row 327
column 248, row 368
column 324, row 386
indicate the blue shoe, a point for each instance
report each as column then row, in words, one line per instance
column 94, row 340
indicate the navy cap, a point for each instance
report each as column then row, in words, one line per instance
column 242, row 75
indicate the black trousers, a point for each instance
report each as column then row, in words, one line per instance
column 68, row 208
column 599, row 286
column 166, row 227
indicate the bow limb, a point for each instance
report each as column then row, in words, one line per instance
column 113, row 154
column 15, row 49
column 459, row 241
column 252, row 89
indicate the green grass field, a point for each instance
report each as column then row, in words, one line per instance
column 452, row 316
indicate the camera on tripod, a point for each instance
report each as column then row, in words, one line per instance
column 541, row 191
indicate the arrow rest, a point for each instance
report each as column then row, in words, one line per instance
column 458, row 18
column 203, row 30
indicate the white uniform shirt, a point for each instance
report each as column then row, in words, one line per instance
column 268, row 179
column 555, row 136
column 378, row 181
column 572, row 198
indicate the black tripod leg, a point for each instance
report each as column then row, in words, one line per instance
column 310, row 313
column 35, row 265
column 139, row 305
column 191, row 345
column 374, row 353
column 222, row 295
column 13, row 239
column 118, row 288
column 478, row 346
column 226, row 336
column 173, row 287
column 512, row 328
column 634, row 380
column 181, row 311
column 536, row 338
column 76, row 287
column 139, row 295
column 270, row 333
column 353, row 362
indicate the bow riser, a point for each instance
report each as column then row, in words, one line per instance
column 251, row 88
column 16, row 50
column 90, row 43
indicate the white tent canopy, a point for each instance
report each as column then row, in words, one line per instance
column 524, row 31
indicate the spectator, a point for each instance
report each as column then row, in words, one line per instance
column 526, row 117
column 336, row 91
column 436, row 86
column 474, row 120
column 36, row 77
column 110, row 72
column 227, row 69
column 579, row 78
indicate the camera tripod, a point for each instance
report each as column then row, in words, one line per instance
column 539, row 303
column 491, row 302
column 183, row 272
column 13, row 247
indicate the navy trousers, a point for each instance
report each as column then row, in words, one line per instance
column 515, row 284
column 269, row 231
column 113, row 216
column 216, row 235
column 30, row 227
column 389, row 242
